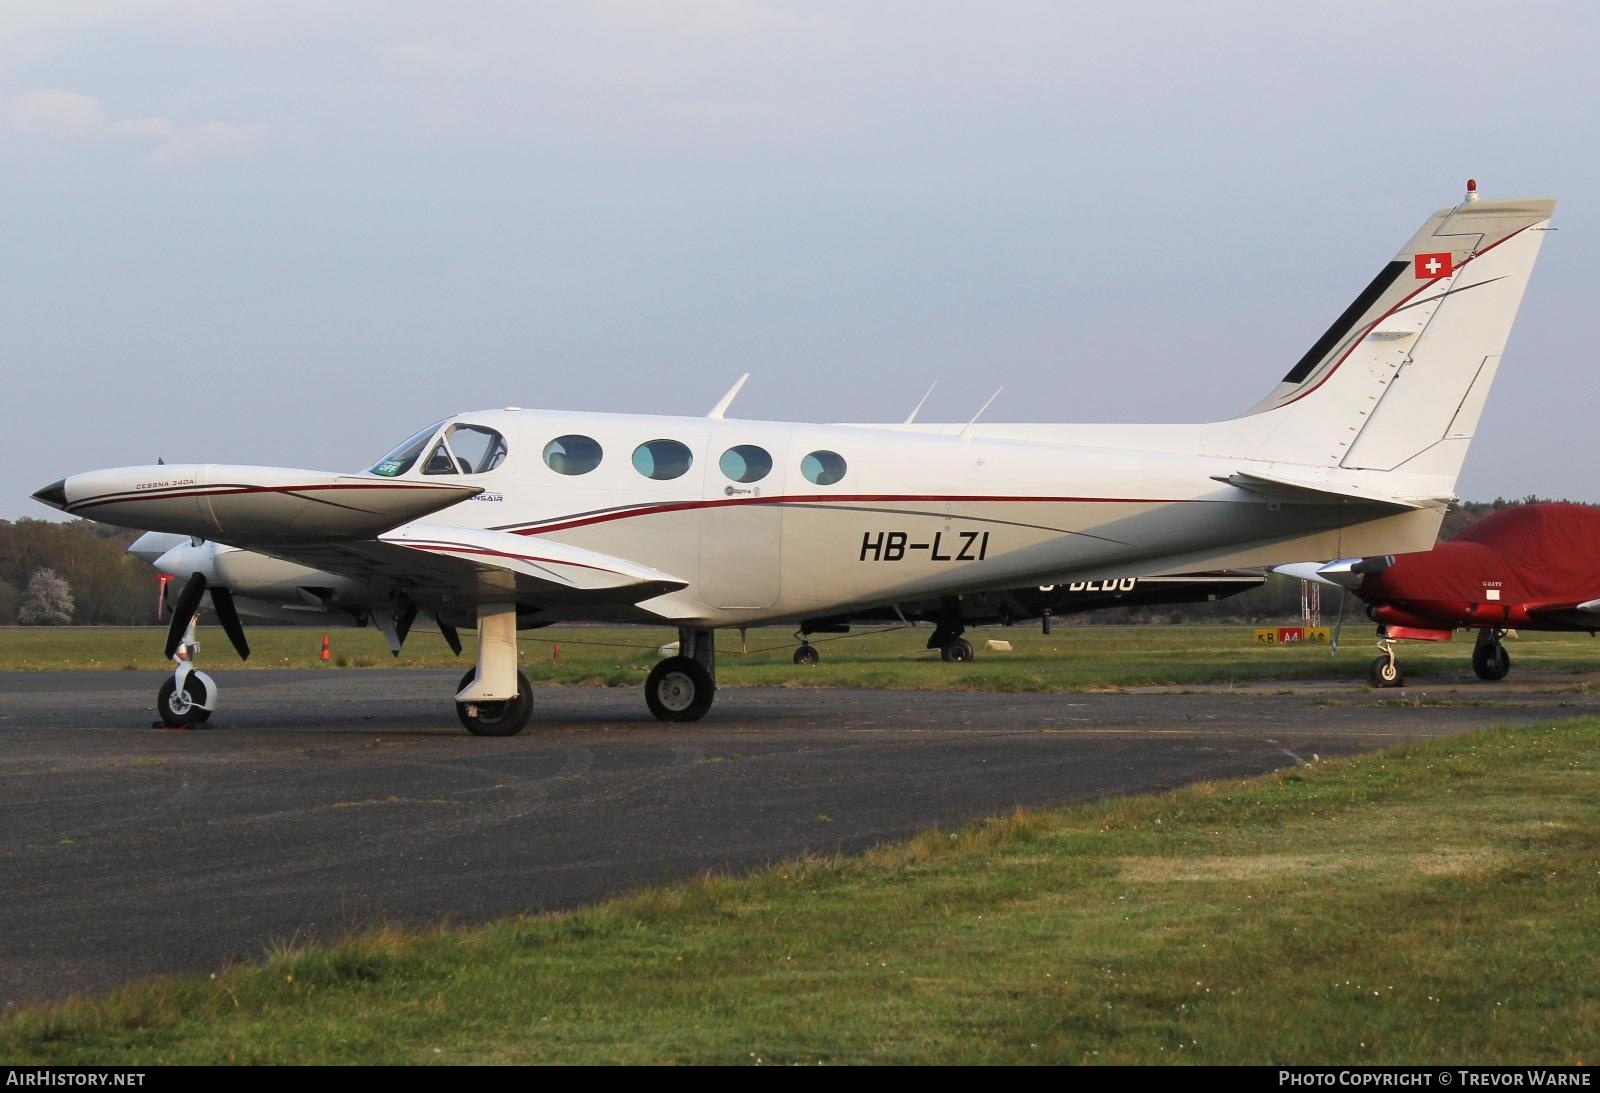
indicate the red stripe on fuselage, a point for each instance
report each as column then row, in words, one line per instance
column 852, row 498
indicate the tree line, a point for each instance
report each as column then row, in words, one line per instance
column 100, row 583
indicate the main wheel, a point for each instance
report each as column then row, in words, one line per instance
column 807, row 655
column 679, row 689
column 180, row 709
column 496, row 718
column 958, row 650
column 1386, row 673
column 1491, row 661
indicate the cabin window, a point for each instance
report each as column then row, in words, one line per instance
column 401, row 459
column 466, row 449
column 572, row 454
column 823, row 468
column 746, row 463
column 662, row 460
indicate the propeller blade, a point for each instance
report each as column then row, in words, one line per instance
column 402, row 624
column 1338, row 626
column 451, row 638
column 182, row 611
column 228, row 616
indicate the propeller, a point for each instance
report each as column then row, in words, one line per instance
column 221, row 602
column 228, row 616
column 451, row 638
column 1333, row 646
column 182, row 611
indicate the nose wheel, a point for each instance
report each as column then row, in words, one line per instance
column 185, row 702
column 1385, row 671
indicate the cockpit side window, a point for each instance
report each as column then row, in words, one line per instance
column 400, row 460
column 477, row 449
column 440, row 461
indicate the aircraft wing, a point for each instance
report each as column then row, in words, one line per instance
column 254, row 505
column 439, row 564
column 1581, row 616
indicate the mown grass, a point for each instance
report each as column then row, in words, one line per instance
column 1435, row 903
column 1071, row 658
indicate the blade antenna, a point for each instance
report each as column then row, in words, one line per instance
column 917, row 409
column 727, row 400
column 966, row 434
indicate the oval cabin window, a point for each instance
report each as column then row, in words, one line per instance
column 746, row 463
column 823, row 468
column 662, row 460
column 572, row 454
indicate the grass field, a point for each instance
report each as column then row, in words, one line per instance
column 1435, row 903
column 1071, row 658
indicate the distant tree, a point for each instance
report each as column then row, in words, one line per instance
column 47, row 601
column 10, row 600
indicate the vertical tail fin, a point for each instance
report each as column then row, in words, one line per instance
column 1399, row 380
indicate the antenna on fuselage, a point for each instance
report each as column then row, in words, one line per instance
column 966, row 434
column 727, row 400
column 917, row 409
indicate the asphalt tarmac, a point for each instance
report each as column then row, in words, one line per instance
column 318, row 802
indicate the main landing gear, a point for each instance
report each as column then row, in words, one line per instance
column 681, row 688
column 946, row 638
column 1490, row 661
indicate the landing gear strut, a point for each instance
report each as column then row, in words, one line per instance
column 1490, row 661
column 187, row 697
column 681, row 688
column 1385, row 672
column 494, row 699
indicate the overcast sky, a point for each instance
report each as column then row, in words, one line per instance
column 293, row 232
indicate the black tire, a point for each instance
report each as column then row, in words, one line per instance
column 1491, row 662
column 496, row 718
column 957, row 651
column 1386, row 673
column 807, row 655
column 679, row 689
column 178, row 711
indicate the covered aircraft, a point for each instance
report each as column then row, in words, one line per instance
column 1533, row 567
column 512, row 518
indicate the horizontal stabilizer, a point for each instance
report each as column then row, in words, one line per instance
column 1306, row 490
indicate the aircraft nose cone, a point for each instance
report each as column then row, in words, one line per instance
column 54, row 495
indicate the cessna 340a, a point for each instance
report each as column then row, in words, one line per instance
column 514, row 518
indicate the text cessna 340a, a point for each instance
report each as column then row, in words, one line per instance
column 515, row 518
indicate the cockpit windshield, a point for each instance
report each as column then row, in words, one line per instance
column 400, row 460
column 462, row 449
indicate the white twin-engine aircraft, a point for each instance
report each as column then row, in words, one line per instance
column 517, row 518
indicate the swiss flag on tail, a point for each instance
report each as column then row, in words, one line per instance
column 1430, row 266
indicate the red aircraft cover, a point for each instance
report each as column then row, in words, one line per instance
column 1545, row 553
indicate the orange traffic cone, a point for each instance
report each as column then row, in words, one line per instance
column 325, row 654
